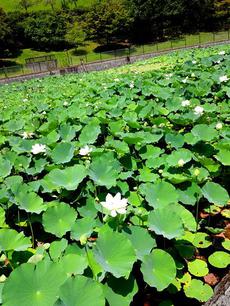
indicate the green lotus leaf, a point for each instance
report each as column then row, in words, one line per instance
column 29, row 200
column 119, row 291
column 83, row 291
column 159, row 194
column 90, row 133
column 180, row 155
column 175, row 140
column 62, row 153
column 190, row 195
column 219, row 259
column 69, row 178
column 186, row 216
column 104, row 169
column 141, row 240
column 33, row 285
column 215, row 193
column 204, row 132
column 226, row 244
column 73, row 264
column 59, row 219
column 67, row 132
column 115, row 253
column 166, row 222
column 198, row 267
column 5, row 167
column 158, row 269
column 224, row 157
column 198, row 290
column 201, row 240
column 57, row 248
column 12, row 240
column 82, row 228
column 2, row 217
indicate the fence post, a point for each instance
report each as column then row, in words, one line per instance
column 5, row 72
column 171, row 43
column 86, row 59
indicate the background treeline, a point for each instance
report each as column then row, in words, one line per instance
column 108, row 21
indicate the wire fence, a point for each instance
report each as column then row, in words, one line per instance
column 67, row 59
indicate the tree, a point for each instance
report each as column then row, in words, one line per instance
column 6, row 35
column 75, row 34
column 108, row 20
column 45, row 30
column 25, row 4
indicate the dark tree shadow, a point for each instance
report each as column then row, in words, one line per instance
column 6, row 63
column 78, row 52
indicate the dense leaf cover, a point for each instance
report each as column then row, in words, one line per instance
column 155, row 145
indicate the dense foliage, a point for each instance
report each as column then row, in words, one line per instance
column 114, row 185
column 109, row 20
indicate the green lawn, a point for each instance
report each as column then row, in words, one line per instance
column 13, row 5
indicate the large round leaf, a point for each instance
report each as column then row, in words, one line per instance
column 159, row 194
column 215, row 193
column 59, row 219
column 219, row 259
column 198, row 290
column 29, row 200
column 115, row 253
column 10, row 240
column 159, row 269
column 90, row 133
column 204, row 132
column 73, row 264
column 198, row 267
column 33, row 285
column 104, row 170
column 141, row 240
column 119, row 291
column 82, row 291
column 5, row 167
column 69, row 178
column 166, row 222
column 62, row 153
column 224, row 157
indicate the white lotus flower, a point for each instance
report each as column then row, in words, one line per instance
column 44, row 113
column 196, row 172
column 223, row 78
column 25, row 100
column 198, row 110
column 194, row 62
column 38, row 148
column 115, row 205
column 193, row 75
column 222, row 52
column 26, row 135
column 219, row 126
column 181, row 163
column 185, row 80
column 131, row 85
column 65, row 103
column 185, row 103
column 116, row 80
column 85, row 150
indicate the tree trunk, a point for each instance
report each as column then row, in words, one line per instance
column 221, row 293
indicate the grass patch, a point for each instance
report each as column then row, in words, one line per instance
column 13, row 5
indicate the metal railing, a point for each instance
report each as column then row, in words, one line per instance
column 69, row 60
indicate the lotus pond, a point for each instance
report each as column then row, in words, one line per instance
column 114, row 185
